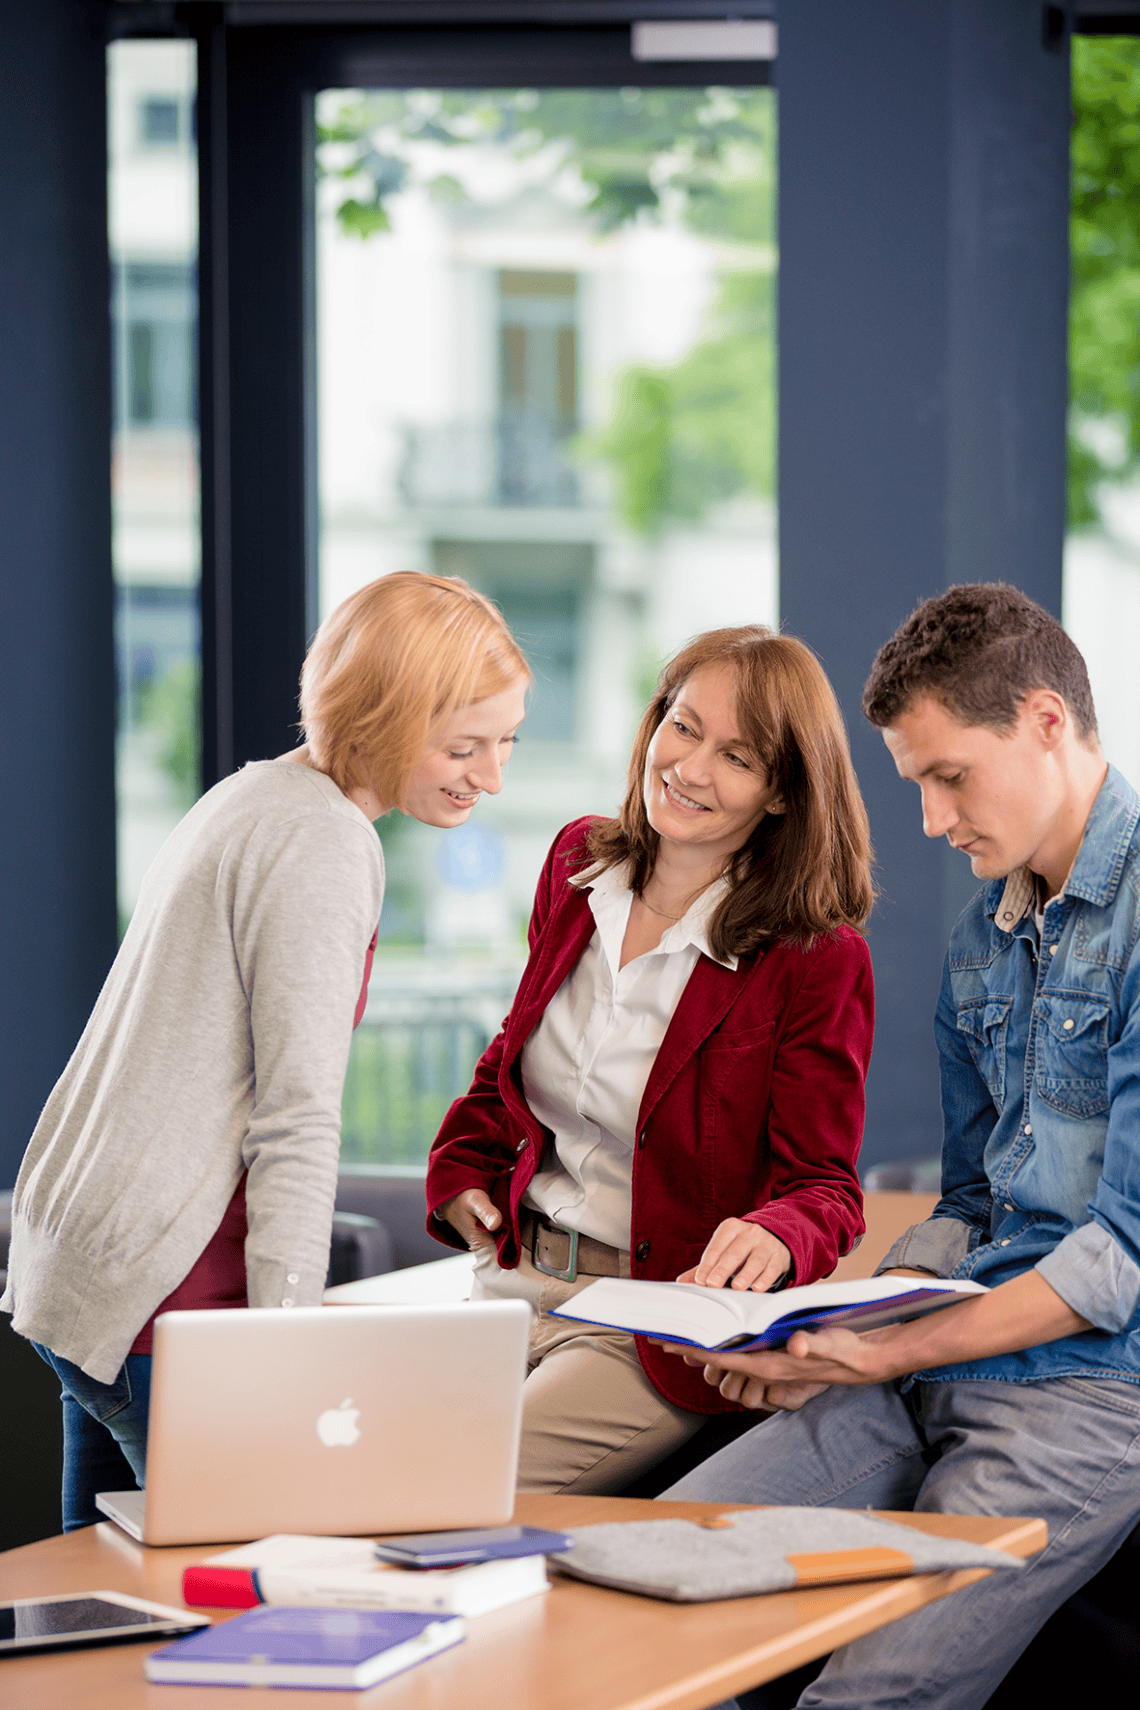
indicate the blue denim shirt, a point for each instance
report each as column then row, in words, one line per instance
column 1039, row 1048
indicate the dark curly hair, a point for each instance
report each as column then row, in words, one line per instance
column 980, row 649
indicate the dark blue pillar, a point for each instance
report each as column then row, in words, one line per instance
column 923, row 293
column 57, row 867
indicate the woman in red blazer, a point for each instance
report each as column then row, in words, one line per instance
column 678, row 1089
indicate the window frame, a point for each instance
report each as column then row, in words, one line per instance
column 257, row 88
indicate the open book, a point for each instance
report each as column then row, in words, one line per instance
column 726, row 1318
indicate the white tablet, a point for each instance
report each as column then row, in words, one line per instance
column 88, row 1618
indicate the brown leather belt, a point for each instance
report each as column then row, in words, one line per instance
column 563, row 1253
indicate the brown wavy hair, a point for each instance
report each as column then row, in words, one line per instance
column 803, row 872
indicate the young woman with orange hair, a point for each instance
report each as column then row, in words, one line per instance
column 188, row 1155
column 678, row 1089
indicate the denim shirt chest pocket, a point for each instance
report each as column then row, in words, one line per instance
column 1071, row 1052
column 984, row 1024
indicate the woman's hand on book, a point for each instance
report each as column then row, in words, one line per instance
column 741, row 1255
column 472, row 1216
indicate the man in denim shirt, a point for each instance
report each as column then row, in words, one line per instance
column 1025, row 1400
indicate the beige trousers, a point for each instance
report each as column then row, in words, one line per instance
column 592, row 1421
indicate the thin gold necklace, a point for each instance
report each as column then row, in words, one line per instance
column 665, row 915
column 662, row 912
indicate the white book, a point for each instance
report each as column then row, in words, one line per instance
column 310, row 1572
column 738, row 1319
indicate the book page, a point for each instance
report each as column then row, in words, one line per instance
column 717, row 1317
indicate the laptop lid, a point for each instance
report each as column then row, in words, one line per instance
column 335, row 1420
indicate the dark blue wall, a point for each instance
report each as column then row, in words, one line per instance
column 57, row 784
column 923, row 292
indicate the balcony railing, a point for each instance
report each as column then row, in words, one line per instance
column 517, row 460
column 425, row 1028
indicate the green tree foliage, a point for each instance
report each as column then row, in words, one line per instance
column 704, row 429
column 1104, row 316
column 171, row 709
column 681, row 436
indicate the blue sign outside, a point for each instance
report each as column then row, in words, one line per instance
column 473, row 857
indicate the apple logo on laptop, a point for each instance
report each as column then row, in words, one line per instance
column 337, row 1427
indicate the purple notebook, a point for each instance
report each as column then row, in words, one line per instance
column 456, row 1549
column 277, row 1646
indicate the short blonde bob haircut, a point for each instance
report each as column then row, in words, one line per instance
column 803, row 872
column 391, row 664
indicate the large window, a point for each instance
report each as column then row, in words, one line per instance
column 545, row 363
column 1102, row 554
column 155, row 486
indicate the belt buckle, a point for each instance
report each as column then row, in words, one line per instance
column 570, row 1274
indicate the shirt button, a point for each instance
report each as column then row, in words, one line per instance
column 287, row 1302
column 642, row 1250
column 1052, row 949
column 1028, row 1129
column 1069, row 1025
column 1007, row 1206
column 1004, row 1243
column 292, row 1277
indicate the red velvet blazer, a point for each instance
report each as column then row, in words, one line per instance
column 753, row 1108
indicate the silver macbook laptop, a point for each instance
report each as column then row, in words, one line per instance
column 340, row 1420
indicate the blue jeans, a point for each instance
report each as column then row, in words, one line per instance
column 1067, row 1450
column 104, row 1433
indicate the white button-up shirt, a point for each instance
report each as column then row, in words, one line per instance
column 585, row 1066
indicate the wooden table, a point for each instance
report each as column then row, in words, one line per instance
column 578, row 1648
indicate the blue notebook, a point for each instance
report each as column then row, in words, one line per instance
column 277, row 1646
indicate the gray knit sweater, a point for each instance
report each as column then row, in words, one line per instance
column 219, row 1043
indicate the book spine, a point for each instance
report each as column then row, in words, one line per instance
column 244, row 1588
column 353, row 1591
